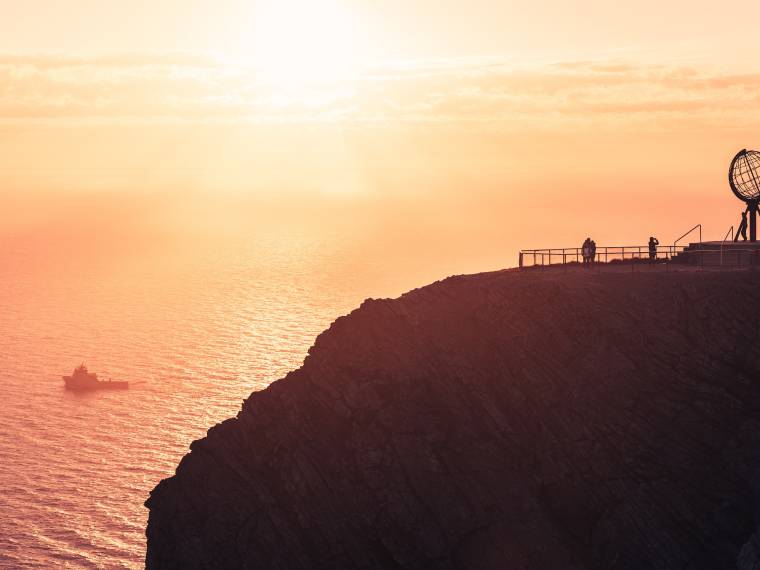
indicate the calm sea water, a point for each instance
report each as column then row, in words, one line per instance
column 195, row 327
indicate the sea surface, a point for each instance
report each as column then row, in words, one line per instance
column 195, row 326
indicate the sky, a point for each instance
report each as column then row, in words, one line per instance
column 497, row 122
column 393, row 29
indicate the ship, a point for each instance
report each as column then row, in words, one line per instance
column 81, row 379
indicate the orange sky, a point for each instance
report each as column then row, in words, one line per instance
column 497, row 121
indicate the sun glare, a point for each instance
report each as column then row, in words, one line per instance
column 303, row 40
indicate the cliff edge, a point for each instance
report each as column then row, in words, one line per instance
column 533, row 420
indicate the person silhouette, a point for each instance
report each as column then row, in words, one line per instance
column 742, row 228
column 592, row 250
column 586, row 251
column 653, row 243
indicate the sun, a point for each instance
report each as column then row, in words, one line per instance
column 300, row 41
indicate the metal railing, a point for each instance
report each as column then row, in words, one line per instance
column 722, row 243
column 730, row 257
column 604, row 254
column 639, row 256
column 687, row 233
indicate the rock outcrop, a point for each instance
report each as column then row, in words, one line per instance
column 511, row 420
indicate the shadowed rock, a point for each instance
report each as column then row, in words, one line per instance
column 505, row 420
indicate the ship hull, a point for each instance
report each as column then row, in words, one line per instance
column 72, row 384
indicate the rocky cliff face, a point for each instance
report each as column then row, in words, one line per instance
column 506, row 420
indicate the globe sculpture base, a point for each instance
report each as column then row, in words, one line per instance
column 752, row 207
column 749, row 220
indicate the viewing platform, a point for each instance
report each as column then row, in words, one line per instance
column 699, row 255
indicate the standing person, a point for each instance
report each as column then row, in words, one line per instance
column 586, row 251
column 592, row 250
column 742, row 228
column 653, row 243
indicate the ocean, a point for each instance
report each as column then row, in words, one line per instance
column 194, row 326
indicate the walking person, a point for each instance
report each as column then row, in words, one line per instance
column 653, row 243
column 592, row 250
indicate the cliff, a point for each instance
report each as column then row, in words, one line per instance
column 505, row 420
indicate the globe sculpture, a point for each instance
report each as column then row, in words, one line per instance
column 744, row 178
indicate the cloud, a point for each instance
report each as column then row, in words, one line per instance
column 47, row 61
column 200, row 88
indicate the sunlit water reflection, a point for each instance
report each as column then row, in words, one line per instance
column 194, row 329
